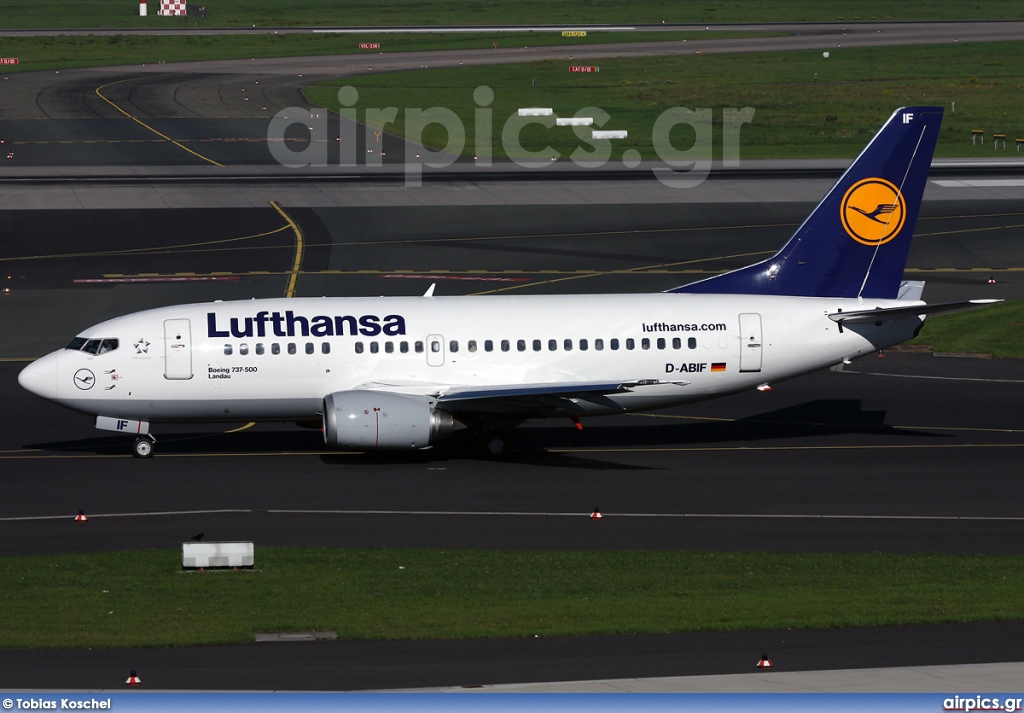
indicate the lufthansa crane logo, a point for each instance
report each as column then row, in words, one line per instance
column 84, row 379
column 873, row 211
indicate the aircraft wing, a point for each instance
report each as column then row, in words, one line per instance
column 886, row 313
column 539, row 399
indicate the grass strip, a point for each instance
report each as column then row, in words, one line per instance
column 997, row 330
column 273, row 13
column 805, row 106
column 143, row 599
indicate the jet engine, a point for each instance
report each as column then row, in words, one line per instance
column 379, row 420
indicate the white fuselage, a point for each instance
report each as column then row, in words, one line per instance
column 277, row 359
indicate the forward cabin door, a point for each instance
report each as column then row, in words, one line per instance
column 177, row 349
column 750, row 342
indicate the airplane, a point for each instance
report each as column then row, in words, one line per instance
column 404, row 373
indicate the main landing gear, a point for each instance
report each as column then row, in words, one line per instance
column 144, row 446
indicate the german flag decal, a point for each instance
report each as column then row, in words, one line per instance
column 719, row 366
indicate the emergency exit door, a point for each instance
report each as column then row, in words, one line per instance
column 435, row 350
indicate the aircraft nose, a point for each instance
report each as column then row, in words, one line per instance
column 40, row 377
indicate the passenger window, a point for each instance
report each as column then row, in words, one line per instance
column 310, row 348
column 404, row 347
column 692, row 342
column 389, row 347
column 488, row 346
column 630, row 344
column 227, row 350
column 275, row 348
column 453, row 346
column 599, row 344
column 504, row 345
column 243, row 348
column 419, row 347
column 359, row 347
column 567, row 345
column 552, row 345
column 521, row 345
column 374, row 347
column 661, row 342
column 259, row 348
column 536, row 345
column 614, row 344
column 325, row 347
column 583, row 345
column 291, row 348
column 435, row 346
column 471, row 345
column 677, row 343
column 645, row 343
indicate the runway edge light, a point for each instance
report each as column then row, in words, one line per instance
column 80, row 517
column 596, row 515
column 764, row 662
column 133, row 679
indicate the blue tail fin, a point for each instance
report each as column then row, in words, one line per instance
column 855, row 242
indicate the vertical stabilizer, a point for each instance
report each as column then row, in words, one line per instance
column 856, row 241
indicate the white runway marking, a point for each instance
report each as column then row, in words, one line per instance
column 579, row 515
column 937, row 378
column 981, row 183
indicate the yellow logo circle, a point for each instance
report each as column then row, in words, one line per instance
column 873, row 211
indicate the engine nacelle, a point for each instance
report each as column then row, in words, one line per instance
column 379, row 420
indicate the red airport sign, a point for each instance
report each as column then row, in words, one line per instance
column 585, row 69
column 8, row 60
column 369, row 45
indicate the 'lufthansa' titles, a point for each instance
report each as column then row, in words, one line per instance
column 289, row 324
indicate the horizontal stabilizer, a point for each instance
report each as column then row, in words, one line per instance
column 887, row 313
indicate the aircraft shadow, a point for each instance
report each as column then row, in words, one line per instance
column 533, row 444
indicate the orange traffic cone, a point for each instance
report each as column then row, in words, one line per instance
column 764, row 662
column 596, row 515
column 80, row 517
column 133, row 680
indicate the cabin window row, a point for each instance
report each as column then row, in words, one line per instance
column 291, row 348
column 537, row 345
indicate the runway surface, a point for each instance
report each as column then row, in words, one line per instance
column 905, row 453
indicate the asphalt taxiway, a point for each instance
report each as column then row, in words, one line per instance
column 905, row 453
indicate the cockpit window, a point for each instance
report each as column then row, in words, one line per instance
column 93, row 346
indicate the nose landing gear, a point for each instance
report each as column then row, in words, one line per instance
column 144, row 446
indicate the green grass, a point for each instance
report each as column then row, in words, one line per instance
column 997, row 330
column 142, row 599
column 796, row 114
column 243, row 13
column 68, row 51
